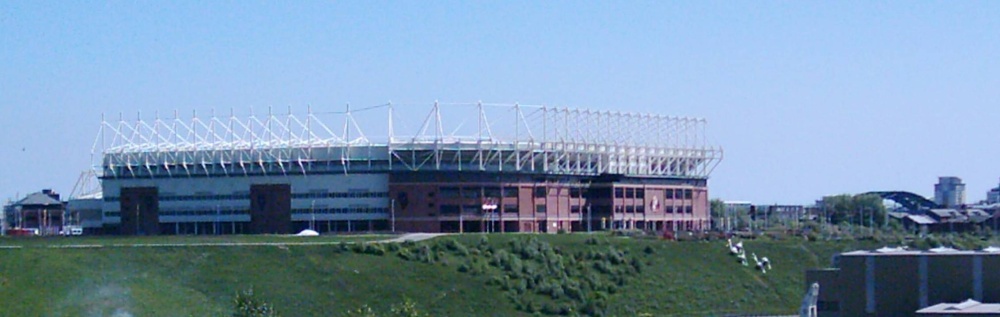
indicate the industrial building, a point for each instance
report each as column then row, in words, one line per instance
column 437, row 168
column 899, row 282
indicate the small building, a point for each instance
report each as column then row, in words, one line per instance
column 42, row 211
column 778, row 213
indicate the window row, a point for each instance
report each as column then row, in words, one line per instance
column 347, row 210
column 679, row 193
column 203, row 212
column 472, row 209
column 246, row 196
column 341, row 195
column 476, row 192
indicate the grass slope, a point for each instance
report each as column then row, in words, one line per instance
column 678, row 278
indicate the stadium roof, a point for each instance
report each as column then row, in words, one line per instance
column 466, row 137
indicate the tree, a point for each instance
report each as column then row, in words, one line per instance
column 717, row 208
column 866, row 210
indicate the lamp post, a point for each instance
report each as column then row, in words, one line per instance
column 215, row 227
column 137, row 207
column 590, row 218
column 392, row 215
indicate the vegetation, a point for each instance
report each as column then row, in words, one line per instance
column 249, row 305
column 864, row 210
column 464, row 275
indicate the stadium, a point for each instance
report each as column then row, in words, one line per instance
column 404, row 168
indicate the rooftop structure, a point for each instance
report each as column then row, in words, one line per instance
column 483, row 137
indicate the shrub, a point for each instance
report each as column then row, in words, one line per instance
column 405, row 254
column 393, row 247
column 374, row 249
column 407, row 308
column 649, row 249
column 363, row 311
column 247, row 304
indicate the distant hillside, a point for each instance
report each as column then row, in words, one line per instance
column 495, row 275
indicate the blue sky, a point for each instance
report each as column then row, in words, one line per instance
column 806, row 98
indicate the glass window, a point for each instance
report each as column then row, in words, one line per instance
column 510, row 191
column 491, row 192
column 619, row 193
column 449, row 210
column 574, row 193
column 540, row 208
column 471, row 192
column 510, row 208
column 449, row 192
column 669, row 194
column 540, row 192
column 640, row 193
column 629, row 192
column 687, row 194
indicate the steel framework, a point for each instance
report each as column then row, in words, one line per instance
column 438, row 136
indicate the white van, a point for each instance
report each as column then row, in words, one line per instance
column 72, row 231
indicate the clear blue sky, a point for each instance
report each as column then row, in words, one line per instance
column 807, row 98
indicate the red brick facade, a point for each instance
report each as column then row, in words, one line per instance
column 443, row 203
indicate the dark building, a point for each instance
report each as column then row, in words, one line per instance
column 898, row 282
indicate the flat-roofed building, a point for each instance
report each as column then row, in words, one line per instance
column 899, row 282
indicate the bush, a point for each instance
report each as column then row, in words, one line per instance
column 407, row 308
column 393, row 247
column 363, row 311
column 247, row 304
column 649, row 249
column 374, row 249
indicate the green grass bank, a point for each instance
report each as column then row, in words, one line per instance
column 468, row 275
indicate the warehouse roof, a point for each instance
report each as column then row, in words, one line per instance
column 967, row 307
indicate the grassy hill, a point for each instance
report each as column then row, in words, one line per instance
column 449, row 276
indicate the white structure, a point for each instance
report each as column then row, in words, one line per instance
column 809, row 308
column 949, row 192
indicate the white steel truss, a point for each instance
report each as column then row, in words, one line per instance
column 448, row 137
